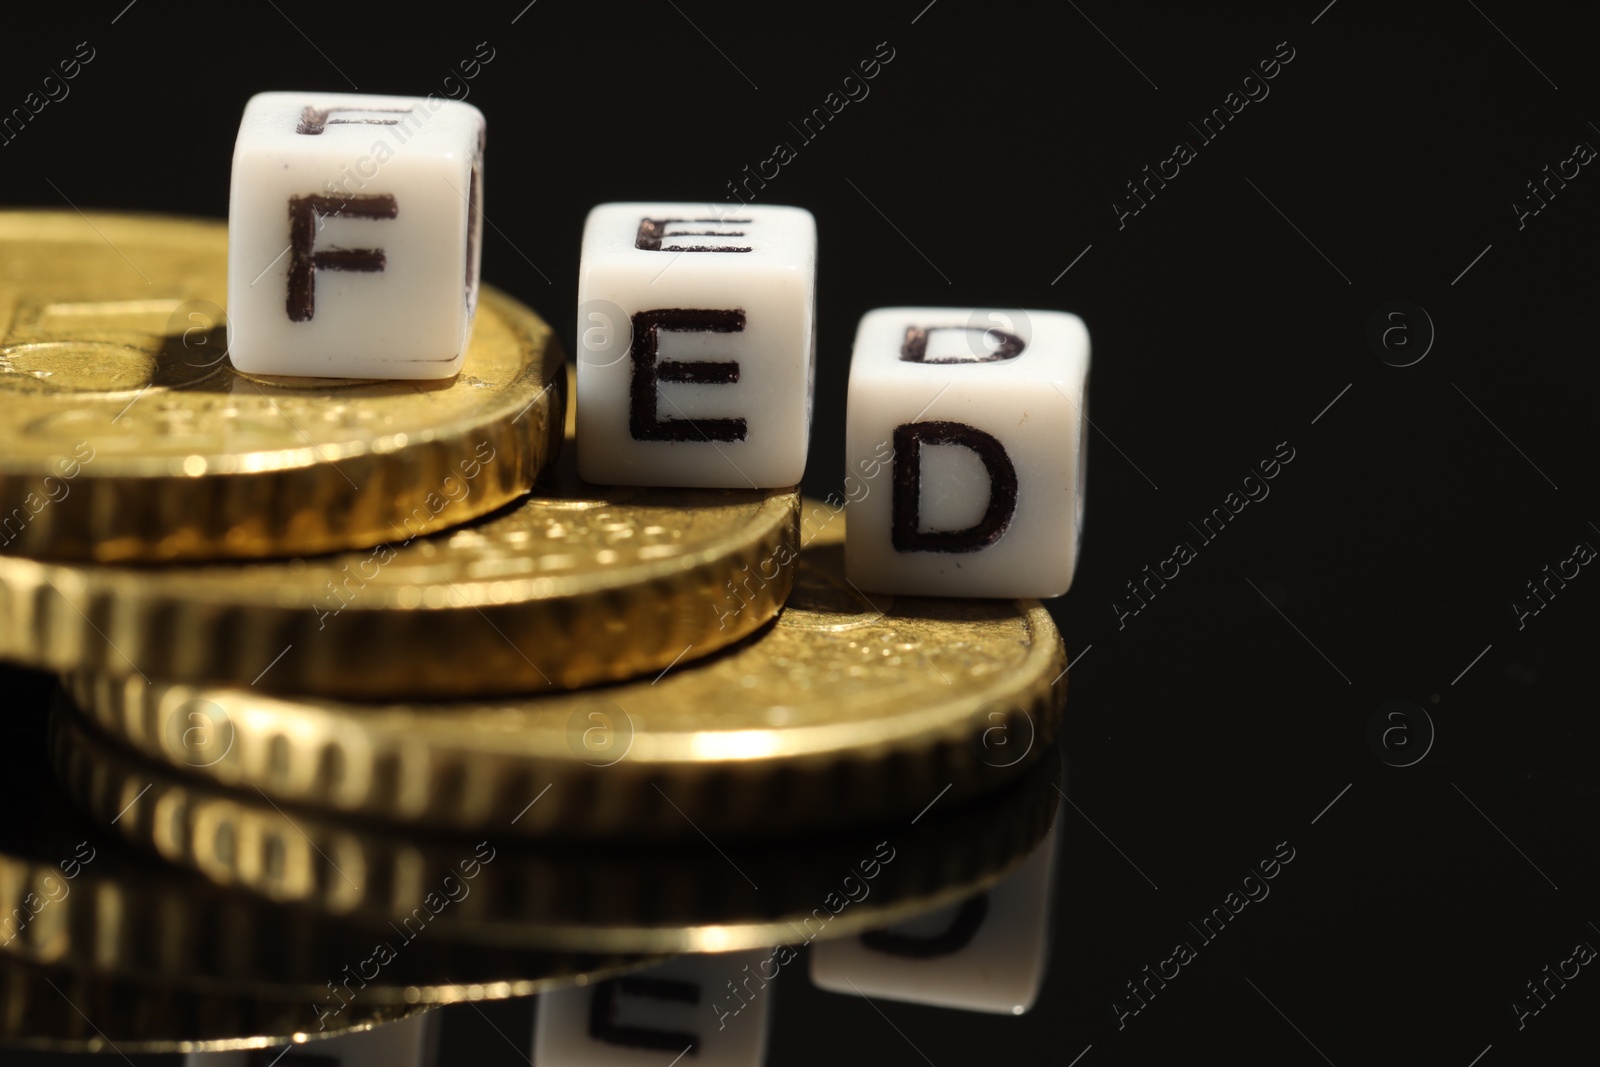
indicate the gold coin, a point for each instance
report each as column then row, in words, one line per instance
column 63, row 1011
column 573, row 585
column 128, row 436
column 850, row 708
column 168, row 926
column 182, row 932
column 72, row 897
column 691, row 897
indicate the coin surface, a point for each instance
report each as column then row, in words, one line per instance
column 847, row 709
column 76, row 898
column 126, row 434
column 604, row 898
column 572, row 585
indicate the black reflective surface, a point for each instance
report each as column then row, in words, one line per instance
column 1242, row 305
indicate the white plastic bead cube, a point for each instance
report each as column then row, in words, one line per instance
column 696, row 345
column 987, row 953
column 354, row 227
column 710, row 1010
column 965, row 444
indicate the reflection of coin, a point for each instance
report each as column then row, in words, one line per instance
column 74, row 898
column 637, row 898
column 201, row 732
column 126, row 435
column 573, row 585
column 599, row 733
column 837, row 713
column 171, row 927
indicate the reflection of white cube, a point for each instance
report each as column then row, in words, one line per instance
column 696, row 345
column 711, row 1010
column 407, row 1043
column 354, row 227
column 984, row 414
column 987, row 954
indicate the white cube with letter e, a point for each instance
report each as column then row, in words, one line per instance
column 965, row 445
column 711, row 1010
column 354, row 226
column 696, row 345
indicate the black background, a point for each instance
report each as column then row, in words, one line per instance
column 1226, row 715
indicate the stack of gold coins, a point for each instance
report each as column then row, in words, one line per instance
column 344, row 656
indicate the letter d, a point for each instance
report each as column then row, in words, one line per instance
column 907, row 495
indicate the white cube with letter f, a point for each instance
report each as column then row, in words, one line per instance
column 966, row 442
column 354, row 226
